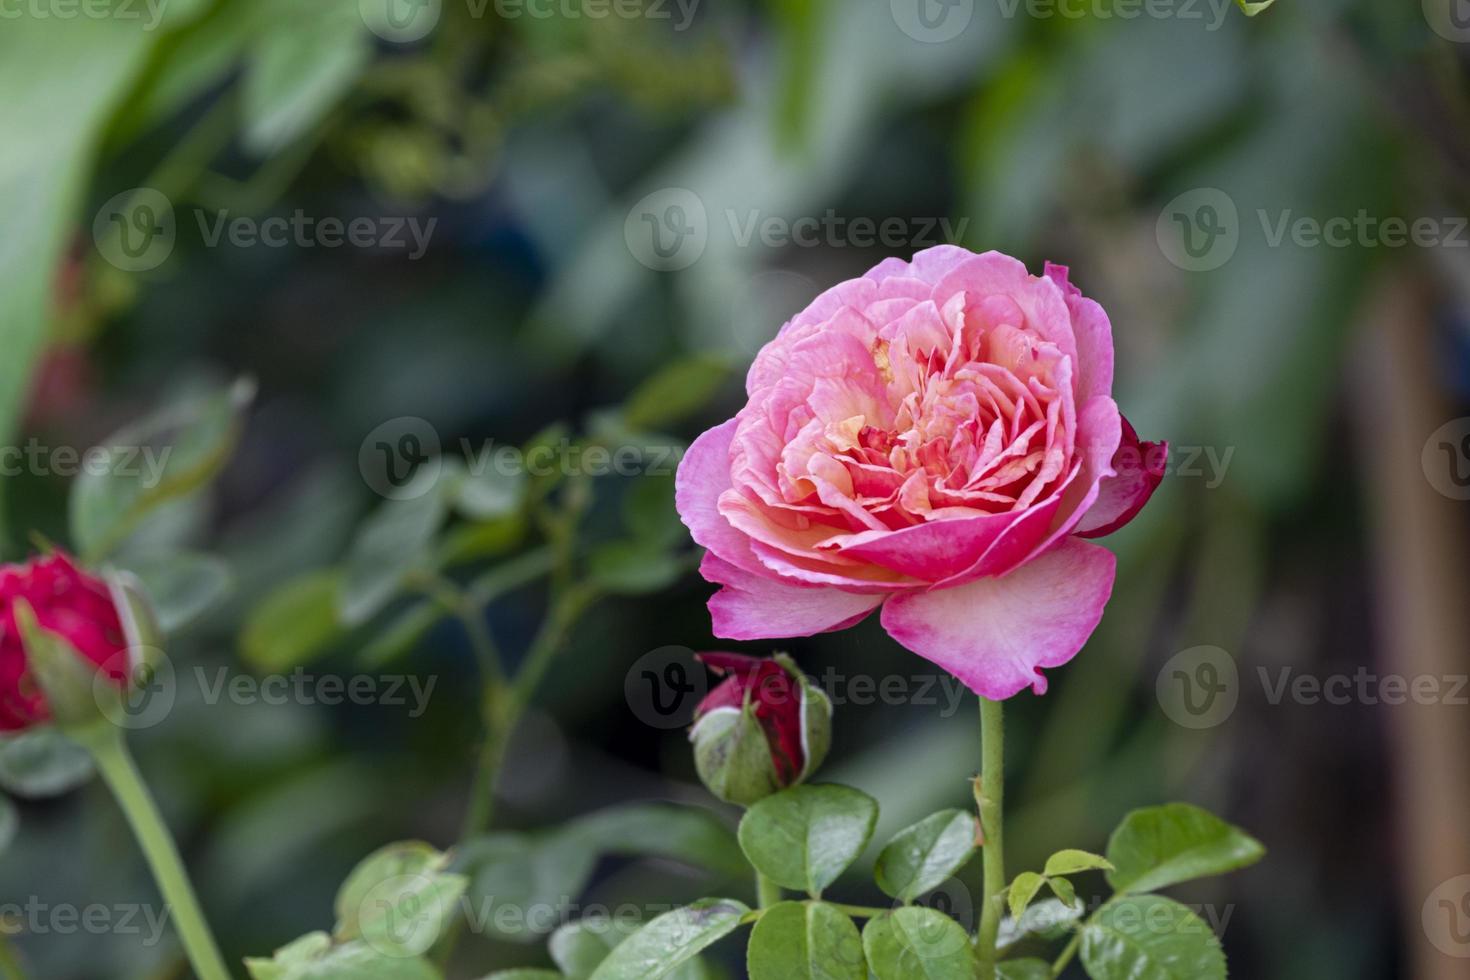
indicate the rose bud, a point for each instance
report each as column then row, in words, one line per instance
column 762, row 729
column 59, row 628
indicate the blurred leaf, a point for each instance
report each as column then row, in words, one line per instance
column 84, row 67
column 1253, row 7
column 672, row 939
column 301, row 69
column 677, row 391
column 314, row 957
column 181, row 587
column 649, row 513
column 1160, row 846
column 805, row 837
column 1064, row 890
column 578, row 948
column 484, row 539
column 394, row 541
column 917, row 942
column 1131, row 939
column 1023, row 890
column 800, row 31
column 805, row 941
column 294, row 624
column 159, row 458
column 399, row 899
column 1028, row 969
column 692, row 835
column 41, row 763
column 524, row 973
column 537, row 875
column 489, row 494
column 633, row 568
column 1047, row 920
column 922, row 857
column 401, row 634
column 65, row 676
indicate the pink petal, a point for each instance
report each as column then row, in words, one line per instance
column 1139, row 469
column 1094, row 333
column 751, row 607
column 704, row 473
column 995, row 634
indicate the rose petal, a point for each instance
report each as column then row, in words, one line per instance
column 995, row 634
column 703, row 474
column 1139, row 468
column 1094, row 333
column 752, row 607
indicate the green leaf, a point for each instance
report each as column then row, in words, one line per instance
column 689, row 834
column 922, row 857
column 1253, row 7
column 1149, row 937
column 400, row 635
column 633, row 568
column 805, row 941
column 181, row 586
column 578, row 948
column 300, row 70
column 1063, row 890
column 86, row 67
column 314, row 957
column 917, row 943
column 1070, row 862
column 671, row 940
column 41, row 763
column 676, row 391
column 805, row 837
column 393, row 542
column 525, row 973
column 534, row 876
column 399, row 899
column 1160, row 846
column 1022, row 891
column 9, row 823
column 157, row 459
column 1027, row 969
column 294, row 624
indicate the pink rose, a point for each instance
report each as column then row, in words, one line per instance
column 67, row 601
column 935, row 438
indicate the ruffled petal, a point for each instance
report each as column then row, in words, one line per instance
column 995, row 634
column 755, row 607
column 1138, row 468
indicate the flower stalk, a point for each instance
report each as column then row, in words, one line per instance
column 990, row 795
column 120, row 773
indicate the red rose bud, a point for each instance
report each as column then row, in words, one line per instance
column 59, row 627
column 762, row 729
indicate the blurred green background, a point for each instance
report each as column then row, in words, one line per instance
column 613, row 194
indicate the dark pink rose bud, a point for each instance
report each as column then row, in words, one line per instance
column 765, row 727
column 67, row 603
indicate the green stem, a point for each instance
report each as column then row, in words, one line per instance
column 1067, row 953
column 991, row 797
column 121, row 775
column 767, row 892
